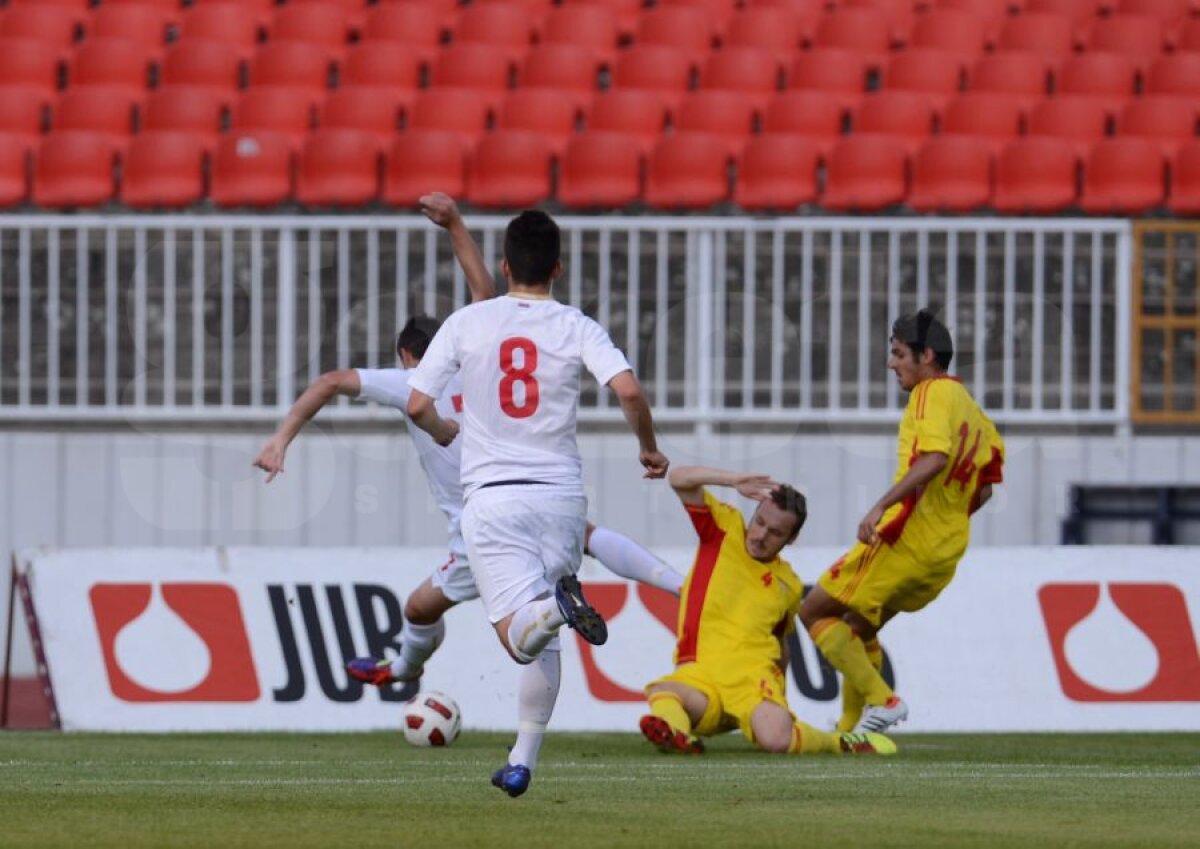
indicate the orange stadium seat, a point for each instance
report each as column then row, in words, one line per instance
column 354, row 11
column 687, row 28
column 98, row 110
column 601, row 170
column 230, row 23
column 501, row 26
column 1049, row 35
column 199, row 62
column 750, row 71
column 390, row 69
column 552, row 113
column 631, row 112
column 321, row 25
column 1167, row 11
column 147, row 25
column 628, row 12
column 22, row 115
column 283, row 112
column 936, row 74
column 1123, row 176
column 416, row 24
column 688, row 171
column 564, row 68
column 655, row 67
column 29, row 63
column 777, row 172
column 1168, row 121
column 1140, row 37
column 865, row 173
column 952, row 31
column 859, row 30
column 1109, row 77
column 292, row 64
column 74, row 169
column 252, row 169
column 423, row 161
column 163, row 169
column 1185, row 180
column 482, row 67
column 774, row 28
column 591, row 27
column 1177, row 74
column 904, row 116
column 1013, row 73
column 338, row 168
column 465, row 111
column 50, row 24
column 993, row 118
column 111, row 62
column 840, row 72
column 362, row 110
column 509, row 169
column 198, row 111
column 952, row 174
column 815, row 115
column 725, row 115
column 14, row 170
column 1081, row 121
column 1036, row 175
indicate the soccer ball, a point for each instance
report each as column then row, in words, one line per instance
column 432, row 719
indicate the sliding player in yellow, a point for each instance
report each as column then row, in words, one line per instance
column 738, row 605
column 911, row 540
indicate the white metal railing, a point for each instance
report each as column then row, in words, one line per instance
column 727, row 320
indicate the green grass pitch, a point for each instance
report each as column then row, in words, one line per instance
column 594, row 790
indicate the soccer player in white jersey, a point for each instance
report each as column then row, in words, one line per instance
column 520, row 358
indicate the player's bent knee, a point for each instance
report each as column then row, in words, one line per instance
column 774, row 743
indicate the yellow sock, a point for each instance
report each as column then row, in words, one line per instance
column 807, row 740
column 846, row 652
column 668, row 706
column 852, row 700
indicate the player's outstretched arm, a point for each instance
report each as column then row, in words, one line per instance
column 319, row 393
column 441, row 209
column 637, row 413
column 424, row 415
column 924, row 469
column 689, row 482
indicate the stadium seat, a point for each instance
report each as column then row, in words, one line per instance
column 688, row 171
column 111, row 62
column 50, row 24
column 423, row 161
column 320, row 25
column 465, row 111
column 897, row 15
column 1109, row 77
column 1185, row 180
column 961, row 33
column 503, row 27
column 840, row 72
column 1123, row 176
column 816, row 115
column 509, row 169
column 1035, row 175
column 628, row 12
column 199, row 62
column 1167, row 11
column 171, row 8
column 1014, row 73
column 993, row 118
column 22, row 116
column 1170, row 122
column 163, row 169
column 30, row 63
column 859, row 30
column 585, row 26
column 1051, row 36
column 805, row 10
column 632, row 112
column 865, row 173
column 991, row 13
column 720, row 11
column 185, row 109
column 952, row 174
column 77, row 10
column 562, row 67
column 391, row 69
column 283, row 112
column 774, row 28
column 414, row 24
column 234, row 24
column 74, row 169
column 686, row 28
column 903, row 116
column 1188, row 36
column 536, row 10
column 653, row 67
column 338, row 168
column 1140, row 37
column 482, row 67
column 252, row 169
column 146, row 25
column 98, row 110
column 726, row 115
column 14, row 170
column 292, row 64
column 749, row 71
column 548, row 111
column 362, row 110
column 601, row 170
column 1177, row 74
column 935, row 74
column 1080, row 12
column 354, row 11
column 777, row 172
column 1082, row 121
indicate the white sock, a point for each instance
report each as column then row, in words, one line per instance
column 622, row 556
column 533, row 627
column 417, row 643
column 537, row 692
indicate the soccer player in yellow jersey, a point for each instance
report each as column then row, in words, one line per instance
column 738, row 605
column 911, row 540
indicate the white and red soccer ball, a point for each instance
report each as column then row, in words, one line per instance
column 432, row 719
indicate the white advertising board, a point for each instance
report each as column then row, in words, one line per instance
column 1024, row 639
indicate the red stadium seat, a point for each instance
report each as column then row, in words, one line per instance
column 684, row 28
column 482, row 67
column 953, row 31
column 354, row 11
column 1013, row 73
column 777, row 172
column 656, row 68
column 562, row 67
column 936, row 74
column 728, row 116
column 282, row 112
column 50, row 24
column 415, row 24
column 952, row 174
column 1036, row 175
column 252, row 169
column 74, row 169
column 14, row 170
column 905, row 117
column 601, row 170
column 774, row 28
column 22, row 116
column 589, row 26
column 865, row 173
column 391, row 69
column 859, row 30
column 1123, row 176
column 1048, row 35
column 30, row 63
column 147, row 25
column 1080, row 12
column 503, row 27
column 197, row 111
column 97, row 110
column 234, row 24
column 720, row 11
column 751, row 72
column 898, row 15
column 423, row 161
column 1185, row 180
column 688, row 171
column 1140, row 37
column 1109, row 77
column 362, row 110
column 509, row 169
column 1082, row 121
column 1177, row 74
column 464, row 111
column 554, row 114
column 320, row 25
column 163, row 169
column 1168, row 121
column 536, row 10
column 840, row 72
column 805, row 10
column 171, row 8
column 111, row 62
column 815, row 115
column 628, row 12
column 75, row 9
column 292, row 64
column 993, row 13
column 1167, row 11
column 1188, row 36
column 199, row 62
column 446, row 11
column 993, row 118
column 338, row 168
column 637, row 114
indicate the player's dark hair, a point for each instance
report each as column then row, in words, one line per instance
column 923, row 329
column 416, row 334
column 787, row 498
column 532, row 247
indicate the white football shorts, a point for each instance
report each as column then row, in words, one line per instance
column 455, row 580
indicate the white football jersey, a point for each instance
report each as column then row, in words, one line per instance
column 389, row 386
column 519, row 360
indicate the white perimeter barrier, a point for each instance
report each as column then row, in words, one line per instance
column 1025, row 639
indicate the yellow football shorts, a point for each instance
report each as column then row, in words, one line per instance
column 870, row 579
column 733, row 691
